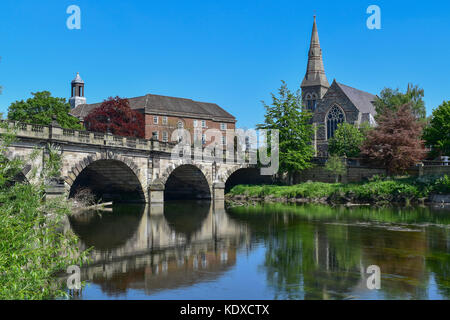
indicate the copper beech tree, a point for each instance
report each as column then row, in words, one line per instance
column 395, row 143
column 115, row 116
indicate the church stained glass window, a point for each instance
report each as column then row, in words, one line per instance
column 334, row 117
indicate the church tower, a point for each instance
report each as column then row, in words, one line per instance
column 315, row 84
column 77, row 92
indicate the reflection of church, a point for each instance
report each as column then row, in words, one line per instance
column 333, row 104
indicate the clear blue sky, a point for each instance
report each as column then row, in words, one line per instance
column 233, row 53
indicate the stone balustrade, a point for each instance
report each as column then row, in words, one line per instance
column 32, row 131
column 58, row 134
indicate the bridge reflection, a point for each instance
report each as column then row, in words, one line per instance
column 158, row 248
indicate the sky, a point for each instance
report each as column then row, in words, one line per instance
column 233, row 53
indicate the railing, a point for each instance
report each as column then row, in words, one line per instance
column 30, row 131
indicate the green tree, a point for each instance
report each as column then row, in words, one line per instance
column 347, row 141
column 392, row 99
column 437, row 134
column 32, row 250
column 336, row 165
column 295, row 130
column 41, row 108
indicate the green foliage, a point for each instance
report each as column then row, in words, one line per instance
column 347, row 140
column 377, row 190
column 336, row 165
column 442, row 185
column 392, row 99
column 437, row 134
column 295, row 130
column 41, row 108
column 32, row 249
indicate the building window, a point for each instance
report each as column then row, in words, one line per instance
column 164, row 120
column 311, row 102
column 247, row 143
column 334, row 117
column 223, row 126
column 155, row 135
column 195, row 123
column 155, row 119
column 203, row 123
column 224, row 140
column 165, row 136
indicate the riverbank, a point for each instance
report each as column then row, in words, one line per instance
column 405, row 190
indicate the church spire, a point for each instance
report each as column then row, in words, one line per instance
column 315, row 72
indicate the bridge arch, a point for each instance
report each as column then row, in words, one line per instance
column 109, row 176
column 250, row 175
column 186, row 181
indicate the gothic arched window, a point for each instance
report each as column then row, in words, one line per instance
column 334, row 117
column 311, row 101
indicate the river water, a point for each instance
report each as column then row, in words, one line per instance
column 202, row 250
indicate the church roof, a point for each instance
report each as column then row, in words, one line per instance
column 361, row 99
column 170, row 106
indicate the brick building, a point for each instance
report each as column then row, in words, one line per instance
column 333, row 104
column 164, row 114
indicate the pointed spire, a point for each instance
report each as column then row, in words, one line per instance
column 315, row 72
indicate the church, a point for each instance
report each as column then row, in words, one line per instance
column 331, row 105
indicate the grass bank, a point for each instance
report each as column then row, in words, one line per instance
column 376, row 190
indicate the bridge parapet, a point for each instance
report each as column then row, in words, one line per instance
column 32, row 131
column 58, row 134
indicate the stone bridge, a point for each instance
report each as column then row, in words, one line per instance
column 124, row 169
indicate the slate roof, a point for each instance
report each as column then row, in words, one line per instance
column 361, row 99
column 170, row 106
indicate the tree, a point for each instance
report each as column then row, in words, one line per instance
column 336, row 165
column 295, row 130
column 41, row 108
column 395, row 143
column 437, row 134
column 390, row 99
column 32, row 247
column 115, row 116
column 347, row 141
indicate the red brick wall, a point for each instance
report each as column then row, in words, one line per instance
column 172, row 122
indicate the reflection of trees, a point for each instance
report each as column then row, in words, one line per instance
column 305, row 260
column 400, row 256
column 318, row 252
column 438, row 259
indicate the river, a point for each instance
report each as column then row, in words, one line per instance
column 202, row 250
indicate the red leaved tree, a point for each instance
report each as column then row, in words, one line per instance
column 115, row 116
column 395, row 143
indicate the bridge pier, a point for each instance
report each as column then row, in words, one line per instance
column 218, row 190
column 156, row 192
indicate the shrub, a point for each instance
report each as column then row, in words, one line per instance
column 32, row 250
column 442, row 185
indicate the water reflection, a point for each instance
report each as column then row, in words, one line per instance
column 156, row 248
column 311, row 253
column 265, row 251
